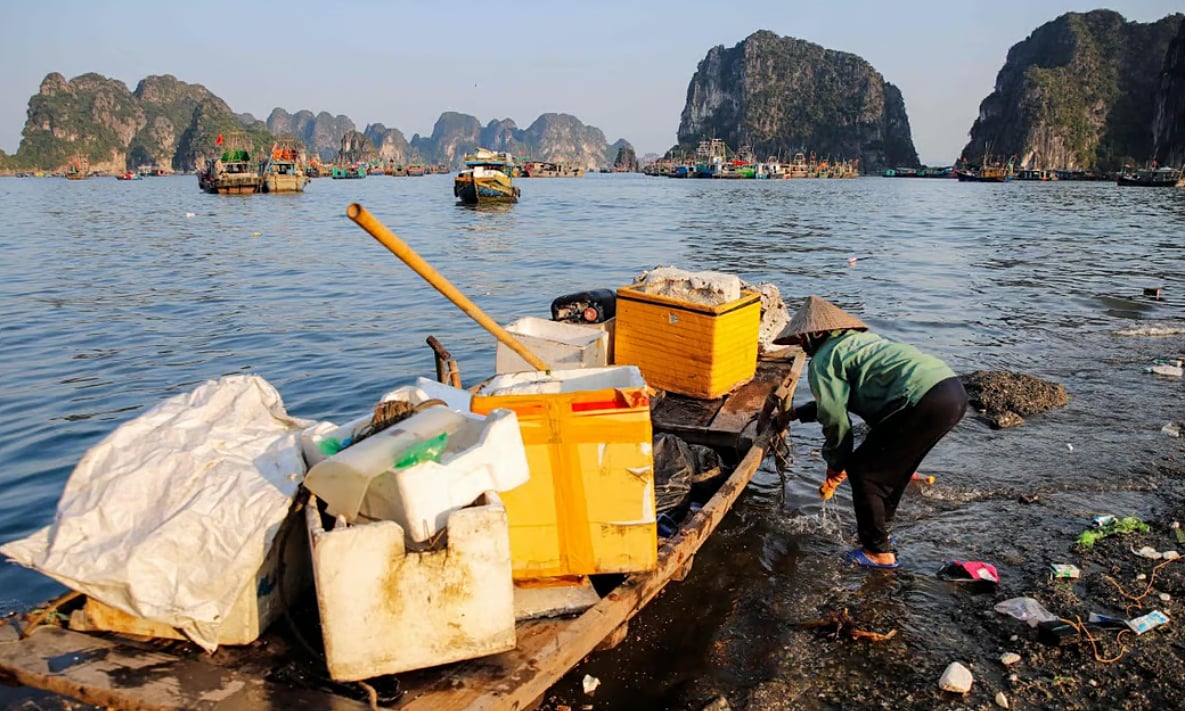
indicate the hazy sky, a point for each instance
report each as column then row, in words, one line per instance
column 620, row 66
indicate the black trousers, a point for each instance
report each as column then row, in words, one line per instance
column 881, row 467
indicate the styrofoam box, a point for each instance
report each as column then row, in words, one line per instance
column 482, row 454
column 386, row 610
column 558, row 344
column 424, row 389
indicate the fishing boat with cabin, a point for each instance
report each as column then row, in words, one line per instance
column 283, row 170
column 484, row 601
column 233, row 172
column 486, row 178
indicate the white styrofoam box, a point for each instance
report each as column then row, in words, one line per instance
column 312, row 439
column 482, row 454
column 559, row 344
column 564, row 381
column 386, row 610
column 259, row 604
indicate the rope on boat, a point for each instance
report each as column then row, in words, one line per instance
column 37, row 618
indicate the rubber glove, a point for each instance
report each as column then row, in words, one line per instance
column 832, row 482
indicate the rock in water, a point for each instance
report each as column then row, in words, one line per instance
column 1004, row 399
column 956, row 678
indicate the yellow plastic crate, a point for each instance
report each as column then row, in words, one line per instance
column 687, row 348
column 589, row 504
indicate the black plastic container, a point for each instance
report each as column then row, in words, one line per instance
column 595, row 306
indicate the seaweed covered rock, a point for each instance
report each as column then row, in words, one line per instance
column 1004, row 399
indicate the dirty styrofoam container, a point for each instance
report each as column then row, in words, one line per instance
column 559, row 344
column 313, row 440
column 258, row 604
column 479, row 454
column 386, row 610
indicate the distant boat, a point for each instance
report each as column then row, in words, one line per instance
column 129, row 175
column 545, row 169
column 1153, row 177
column 78, row 168
column 486, row 179
column 416, row 170
column 283, row 171
column 1038, row 174
column 352, row 172
column 233, row 172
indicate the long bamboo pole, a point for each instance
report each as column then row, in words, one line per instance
column 399, row 248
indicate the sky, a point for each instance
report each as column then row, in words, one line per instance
column 622, row 67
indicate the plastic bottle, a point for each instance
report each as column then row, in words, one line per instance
column 341, row 480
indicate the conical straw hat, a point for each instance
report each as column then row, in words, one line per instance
column 817, row 315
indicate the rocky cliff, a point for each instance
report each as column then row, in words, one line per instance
column 780, row 95
column 1168, row 121
column 322, row 133
column 1078, row 93
column 551, row 137
column 164, row 122
column 168, row 123
column 626, row 160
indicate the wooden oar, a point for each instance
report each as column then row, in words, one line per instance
column 399, row 248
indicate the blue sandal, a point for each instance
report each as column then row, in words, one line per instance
column 860, row 558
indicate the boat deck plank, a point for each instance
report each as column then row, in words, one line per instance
column 106, row 671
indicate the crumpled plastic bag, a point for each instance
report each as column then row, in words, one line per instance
column 1025, row 609
column 170, row 516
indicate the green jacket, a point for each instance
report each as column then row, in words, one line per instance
column 863, row 373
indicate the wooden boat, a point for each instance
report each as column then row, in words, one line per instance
column 78, row 168
column 416, row 170
column 352, row 172
column 233, row 172
column 486, row 179
column 283, row 171
column 122, row 672
column 797, row 168
column 1153, row 177
column 546, row 169
column 129, row 175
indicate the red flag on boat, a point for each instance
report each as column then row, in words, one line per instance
column 219, row 141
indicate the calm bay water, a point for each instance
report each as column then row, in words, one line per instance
column 116, row 295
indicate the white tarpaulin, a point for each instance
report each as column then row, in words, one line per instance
column 171, row 515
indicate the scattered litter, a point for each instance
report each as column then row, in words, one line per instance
column 956, row 678
column 1141, row 576
column 1153, row 291
column 1106, row 621
column 851, row 261
column 255, row 234
column 1151, row 621
column 1025, row 609
column 1056, row 632
column 1171, row 368
column 591, row 683
column 1103, row 520
column 1148, row 552
column 189, row 214
column 1129, row 524
column 1069, row 446
column 1170, row 555
column 1001, row 700
column 1014, row 638
column 1009, row 659
column 969, row 570
column 923, row 478
column 1172, row 429
column 1065, row 570
column 1164, row 597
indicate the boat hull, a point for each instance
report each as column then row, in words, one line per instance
column 281, row 183
column 490, row 189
